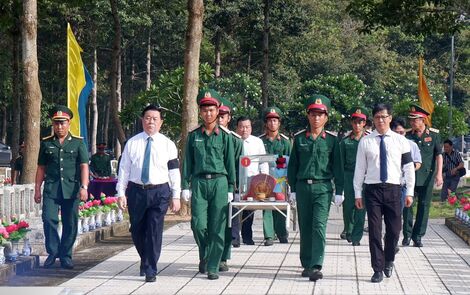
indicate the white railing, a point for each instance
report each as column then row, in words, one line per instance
column 18, row 200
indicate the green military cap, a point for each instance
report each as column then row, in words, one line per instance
column 225, row 107
column 61, row 113
column 208, row 97
column 359, row 112
column 272, row 112
column 318, row 102
column 417, row 112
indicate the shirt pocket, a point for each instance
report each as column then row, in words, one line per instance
column 69, row 153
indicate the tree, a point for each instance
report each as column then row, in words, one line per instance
column 32, row 90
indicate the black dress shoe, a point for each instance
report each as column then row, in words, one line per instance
column 49, row 262
column 283, row 240
column 348, row 238
column 343, row 236
column 417, row 243
column 66, row 263
column 150, row 279
column 202, row 266
column 388, row 269
column 406, row 242
column 315, row 275
column 377, row 277
column 306, row 272
column 212, row 276
column 223, row 266
column 248, row 242
column 397, row 250
column 235, row 244
column 268, row 242
column 356, row 243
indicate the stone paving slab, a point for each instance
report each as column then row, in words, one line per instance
column 440, row 267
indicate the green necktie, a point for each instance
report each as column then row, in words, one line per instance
column 144, row 177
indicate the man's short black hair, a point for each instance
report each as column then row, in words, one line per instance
column 243, row 118
column 382, row 107
column 152, row 107
column 449, row 142
column 396, row 122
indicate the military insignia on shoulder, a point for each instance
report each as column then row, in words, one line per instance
column 236, row 134
column 264, row 134
column 284, row 136
column 434, row 130
column 48, row 137
column 77, row 137
column 331, row 133
column 225, row 129
column 299, row 132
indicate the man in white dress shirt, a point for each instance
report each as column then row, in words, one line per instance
column 253, row 145
column 382, row 157
column 149, row 181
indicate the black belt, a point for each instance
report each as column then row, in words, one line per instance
column 210, row 175
column 383, row 185
column 146, row 186
column 312, row 181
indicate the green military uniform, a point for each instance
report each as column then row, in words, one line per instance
column 312, row 165
column 61, row 187
column 353, row 218
column 100, row 164
column 280, row 145
column 209, row 171
column 430, row 147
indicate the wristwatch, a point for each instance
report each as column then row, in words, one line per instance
column 84, row 186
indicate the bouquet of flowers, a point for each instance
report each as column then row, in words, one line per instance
column 17, row 230
column 4, row 235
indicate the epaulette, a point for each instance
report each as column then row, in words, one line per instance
column 236, row 134
column 77, row 137
column 347, row 133
column 331, row 133
column 264, row 134
column 48, row 137
column 303, row 130
column 434, row 130
column 194, row 129
column 225, row 129
column 284, row 136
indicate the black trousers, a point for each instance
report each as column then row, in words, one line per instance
column 383, row 200
column 235, row 226
column 147, row 209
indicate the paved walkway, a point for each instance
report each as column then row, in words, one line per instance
column 441, row 267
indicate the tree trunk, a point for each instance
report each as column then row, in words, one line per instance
column 149, row 63
column 265, row 81
column 217, row 53
column 191, row 67
column 94, row 105
column 117, row 147
column 106, row 123
column 16, row 35
column 115, row 79
column 32, row 91
column 3, row 132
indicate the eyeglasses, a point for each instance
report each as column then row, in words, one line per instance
column 383, row 117
column 148, row 119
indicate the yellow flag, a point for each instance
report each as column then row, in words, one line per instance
column 75, row 79
column 425, row 99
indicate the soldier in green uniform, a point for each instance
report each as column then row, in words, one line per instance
column 429, row 143
column 314, row 161
column 100, row 163
column 278, row 144
column 232, row 235
column 63, row 167
column 209, row 172
column 353, row 217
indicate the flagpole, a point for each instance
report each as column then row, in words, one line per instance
column 451, row 80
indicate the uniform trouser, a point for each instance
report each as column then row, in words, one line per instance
column 268, row 227
column 450, row 183
column 353, row 218
column 60, row 246
column 313, row 206
column 231, row 234
column 279, row 222
column 423, row 195
column 147, row 209
column 383, row 200
column 209, row 210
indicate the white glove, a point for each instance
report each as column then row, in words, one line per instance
column 236, row 197
column 186, row 195
column 230, row 197
column 339, row 200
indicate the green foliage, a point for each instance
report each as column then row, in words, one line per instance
column 440, row 120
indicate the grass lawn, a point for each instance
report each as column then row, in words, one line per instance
column 443, row 210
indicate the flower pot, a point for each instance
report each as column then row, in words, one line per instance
column 2, row 255
column 26, row 247
column 86, row 224
column 107, row 219
column 79, row 226
column 92, row 222
column 120, row 215
column 99, row 219
column 11, row 251
column 113, row 215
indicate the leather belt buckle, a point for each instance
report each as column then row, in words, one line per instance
column 143, row 186
column 208, row 176
column 310, row 181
